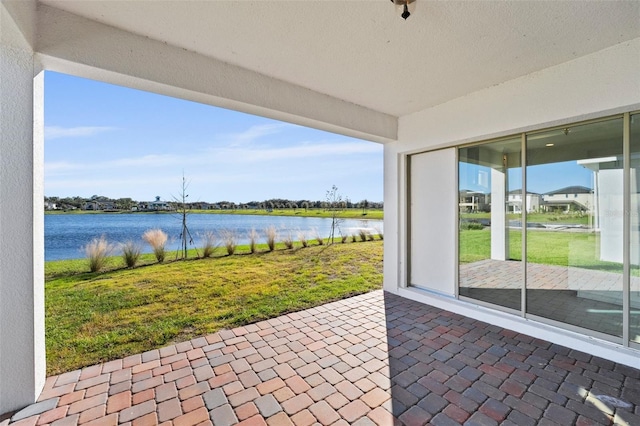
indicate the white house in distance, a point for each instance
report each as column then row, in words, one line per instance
column 576, row 198
column 487, row 84
column 532, row 201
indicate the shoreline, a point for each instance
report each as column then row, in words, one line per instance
column 372, row 214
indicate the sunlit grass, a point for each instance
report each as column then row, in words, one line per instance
column 95, row 317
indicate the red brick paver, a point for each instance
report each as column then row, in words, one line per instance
column 374, row 359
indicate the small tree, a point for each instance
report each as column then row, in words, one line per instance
column 182, row 208
column 334, row 205
column 364, row 204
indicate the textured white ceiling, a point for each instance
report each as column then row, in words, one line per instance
column 363, row 52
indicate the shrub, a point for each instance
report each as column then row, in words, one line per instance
column 271, row 233
column 131, row 253
column 288, row 241
column 156, row 238
column 303, row 239
column 470, row 226
column 344, row 238
column 253, row 239
column 230, row 241
column 97, row 252
column 362, row 232
column 209, row 244
column 354, row 238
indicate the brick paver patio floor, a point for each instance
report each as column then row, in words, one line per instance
column 370, row 359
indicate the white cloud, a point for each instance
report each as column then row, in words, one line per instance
column 308, row 151
column 253, row 133
column 225, row 157
column 57, row 132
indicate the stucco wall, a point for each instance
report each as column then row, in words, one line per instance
column 22, row 350
column 596, row 85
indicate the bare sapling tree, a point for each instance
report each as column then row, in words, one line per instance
column 183, row 211
column 335, row 205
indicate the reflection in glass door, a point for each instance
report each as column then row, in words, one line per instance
column 490, row 210
column 634, row 187
column 575, row 238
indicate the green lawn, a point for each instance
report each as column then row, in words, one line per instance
column 549, row 218
column 546, row 247
column 95, row 317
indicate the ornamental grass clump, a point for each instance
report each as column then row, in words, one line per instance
column 363, row 234
column 271, row 234
column 156, row 238
column 302, row 237
column 379, row 231
column 229, row 238
column 319, row 239
column 97, row 252
column 253, row 240
column 288, row 241
column 209, row 244
column 131, row 253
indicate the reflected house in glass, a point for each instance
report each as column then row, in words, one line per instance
column 532, row 201
column 474, row 201
column 571, row 198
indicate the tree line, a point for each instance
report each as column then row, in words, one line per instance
column 99, row 202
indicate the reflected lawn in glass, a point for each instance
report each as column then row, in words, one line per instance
column 543, row 247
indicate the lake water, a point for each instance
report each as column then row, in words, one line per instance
column 65, row 235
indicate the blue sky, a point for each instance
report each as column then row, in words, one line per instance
column 118, row 142
column 540, row 179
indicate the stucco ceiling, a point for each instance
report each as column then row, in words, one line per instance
column 363, row 52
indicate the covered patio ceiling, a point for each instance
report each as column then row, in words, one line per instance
column 364, row 53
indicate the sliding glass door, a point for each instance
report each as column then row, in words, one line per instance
column 574, row 241
column 581, row 264
column 634, row 237
column 490, row 202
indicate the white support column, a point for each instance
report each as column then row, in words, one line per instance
column 22, row 348
column 499, row 246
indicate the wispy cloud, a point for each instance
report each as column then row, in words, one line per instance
column 312, row 151
column 57, row 132
column 253, row 133
column 221, row 157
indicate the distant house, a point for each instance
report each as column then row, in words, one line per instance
column 152, row 206
column 514, row 201
column 201, row 206
column 108, row 205
column 94, row 205
column 91, row 206
column 473, row 201
column 50, row 206
column 576, row 198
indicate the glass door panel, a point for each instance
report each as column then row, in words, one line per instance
column 490, row 209
column 634, row 314
column 574, row 239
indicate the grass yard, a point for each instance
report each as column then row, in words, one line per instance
column 573, row 218
column 95, row 317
